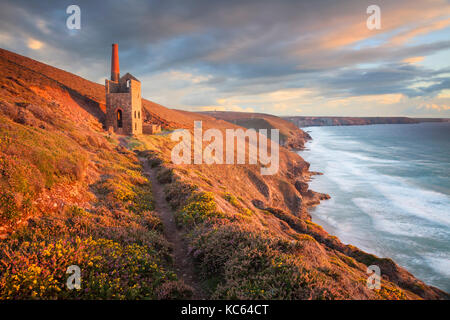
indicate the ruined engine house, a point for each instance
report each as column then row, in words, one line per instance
column 123, row 100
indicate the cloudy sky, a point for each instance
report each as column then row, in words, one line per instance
column 280, row 57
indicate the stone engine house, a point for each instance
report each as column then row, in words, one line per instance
column 123, row 100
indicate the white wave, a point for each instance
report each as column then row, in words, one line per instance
column 387, row 218
column 426, row 204
column 384, row 214
column 439, row 263
column 369, row 160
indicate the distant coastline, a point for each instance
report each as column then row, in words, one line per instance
column 304, row 121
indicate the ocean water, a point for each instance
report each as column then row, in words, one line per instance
column 390, row 192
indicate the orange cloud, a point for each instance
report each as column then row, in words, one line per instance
column 433, row 106
column 34, row 44
column 384, row 99
column 413, row 60
column 392, row 18
column 421, row 30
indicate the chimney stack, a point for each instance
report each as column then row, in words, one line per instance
column 115, row 69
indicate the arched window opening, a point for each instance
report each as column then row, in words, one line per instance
column 119, row 118
column 135, row 126
column 139, row 114
column 135, row 115
column 128, row 83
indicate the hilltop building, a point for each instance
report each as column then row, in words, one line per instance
column 123, row 100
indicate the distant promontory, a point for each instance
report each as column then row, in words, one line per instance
column 302, row 121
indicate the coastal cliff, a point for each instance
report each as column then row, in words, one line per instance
column 73, row 194
column 290, row 135
column 301, row 121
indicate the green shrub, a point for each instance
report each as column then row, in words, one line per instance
column 251, row 265
column 264, row 273
column 201, row 206
column 391, row 293
column 235, row 203
column 231, row 199
column 109, row 270
column 143, row 199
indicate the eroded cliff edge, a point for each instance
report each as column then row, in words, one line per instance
column 300, row 220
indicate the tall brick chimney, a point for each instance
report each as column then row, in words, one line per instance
column 115, row 69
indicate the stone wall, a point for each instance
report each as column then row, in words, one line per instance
column 151, row 128
column 136, row 107
column 129, row 100
column 114, row 102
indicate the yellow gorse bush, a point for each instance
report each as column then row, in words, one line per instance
column 118, row 245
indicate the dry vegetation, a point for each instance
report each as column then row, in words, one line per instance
column 72, row 195
column 245, row 251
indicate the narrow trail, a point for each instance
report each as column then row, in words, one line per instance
column 184, row 266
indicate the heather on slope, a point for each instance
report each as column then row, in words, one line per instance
column 71, row 194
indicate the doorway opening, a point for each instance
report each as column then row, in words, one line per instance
column 119, row 118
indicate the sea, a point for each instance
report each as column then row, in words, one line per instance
column 390, row 192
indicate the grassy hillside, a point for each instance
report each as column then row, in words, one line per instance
column 247, row 249
column 73, row 195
